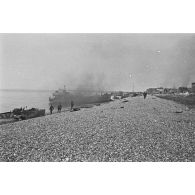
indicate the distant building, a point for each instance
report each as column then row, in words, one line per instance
column 170, row 90
column 183, row 89
column 193, row 87
column 158, row 90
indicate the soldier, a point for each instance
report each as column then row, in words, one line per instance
column 59, row 107
column 51, row 108
column 71, row 104
column 145, row 94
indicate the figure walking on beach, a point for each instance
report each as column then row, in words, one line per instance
column 59, row 107
column 71, row 104
column 145, row 94
column 51, row 108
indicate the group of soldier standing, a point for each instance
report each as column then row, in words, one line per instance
column 51, row 108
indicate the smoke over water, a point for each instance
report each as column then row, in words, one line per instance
column 96, row 62
column 89, row 83
column 92, row 82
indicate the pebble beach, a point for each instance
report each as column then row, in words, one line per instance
column 135, row 130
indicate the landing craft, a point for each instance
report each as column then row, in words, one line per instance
column 80, row 97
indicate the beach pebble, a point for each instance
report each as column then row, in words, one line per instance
column 104, row 133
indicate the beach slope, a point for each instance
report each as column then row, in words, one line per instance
column 153, row 129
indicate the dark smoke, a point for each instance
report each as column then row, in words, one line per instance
column 90, row 81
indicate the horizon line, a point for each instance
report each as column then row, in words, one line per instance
column 27, row 89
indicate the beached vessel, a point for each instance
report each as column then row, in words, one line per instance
column 79, row 97
column 20, row 114
column 23, row 114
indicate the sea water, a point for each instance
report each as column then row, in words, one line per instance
column 10, row 99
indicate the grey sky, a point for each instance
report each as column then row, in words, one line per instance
column 100, row 61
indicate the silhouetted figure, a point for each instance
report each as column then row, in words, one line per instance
column 51, row 108
column 59, row 108
column 71, row 105
column 145, row 95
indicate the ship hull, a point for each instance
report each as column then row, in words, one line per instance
column 78, row 100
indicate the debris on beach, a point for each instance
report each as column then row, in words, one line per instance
column 179, row 111
column 75, row 109
column 22, row 114
column 124, row 101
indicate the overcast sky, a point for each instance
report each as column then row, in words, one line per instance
column 100, row 61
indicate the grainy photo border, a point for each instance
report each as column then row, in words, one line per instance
column 99, row 16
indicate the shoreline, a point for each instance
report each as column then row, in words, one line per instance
column 66, row 109
column 122, row 131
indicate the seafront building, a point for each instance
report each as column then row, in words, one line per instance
column 193, row 87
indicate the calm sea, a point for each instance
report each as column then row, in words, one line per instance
column 10, row 99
